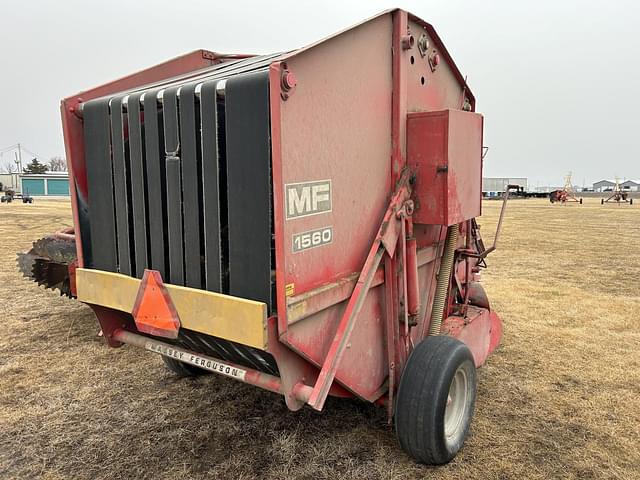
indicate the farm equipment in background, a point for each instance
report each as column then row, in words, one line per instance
column 10, row 195
column 304, row 222
column 618, row 196
column 51, row 262
column 7, row 197
column 567, row 194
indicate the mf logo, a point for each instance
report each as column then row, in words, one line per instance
column 307, row 198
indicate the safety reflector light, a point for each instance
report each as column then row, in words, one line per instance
column 154, row 312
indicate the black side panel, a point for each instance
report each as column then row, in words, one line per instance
column 100, row 184
column 210, row 187
column 190, row 187
column 174, row 187
column 136, row 161
column 154, row 163
column 249, row 186
column 120, row 176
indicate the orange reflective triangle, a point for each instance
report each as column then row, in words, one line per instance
column 154, row 312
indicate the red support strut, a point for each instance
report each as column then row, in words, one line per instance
column 386, row 240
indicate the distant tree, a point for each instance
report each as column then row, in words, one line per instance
column 57, row 164
column 35, row 167
column 8, row 167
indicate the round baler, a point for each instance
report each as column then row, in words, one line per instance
column 303, row 221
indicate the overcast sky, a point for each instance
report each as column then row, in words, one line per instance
column 555, row 80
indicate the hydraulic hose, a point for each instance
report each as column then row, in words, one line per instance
column 444, row 276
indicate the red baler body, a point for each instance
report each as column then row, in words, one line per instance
column 373, row 157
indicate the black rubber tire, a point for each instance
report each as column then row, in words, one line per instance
column 422, row 399
column 631, row 201
column 602, row 201
column 580, row 201
column 182, row 369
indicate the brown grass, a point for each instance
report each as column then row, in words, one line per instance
column 559, row 399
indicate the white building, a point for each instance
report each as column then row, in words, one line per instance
column 609, row 185
column 10, row 181
column 630, row 186
column 495, row 186
column 603, row 186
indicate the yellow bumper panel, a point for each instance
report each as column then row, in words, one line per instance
column 232, row 318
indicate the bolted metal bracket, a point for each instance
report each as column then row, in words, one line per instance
column 406, row 210
column 423, row 44
column 76, row 107
column 288, row 82
column 434, row 60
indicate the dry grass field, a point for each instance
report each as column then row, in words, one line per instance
column 559, row 399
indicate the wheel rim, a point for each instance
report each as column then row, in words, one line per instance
column 454, row 413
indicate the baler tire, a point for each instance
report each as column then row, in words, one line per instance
column 423, row 397
column 182, row 369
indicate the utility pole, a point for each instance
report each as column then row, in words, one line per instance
column 20, row 158
column 15, row 176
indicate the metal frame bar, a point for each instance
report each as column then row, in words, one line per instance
column 250, row 376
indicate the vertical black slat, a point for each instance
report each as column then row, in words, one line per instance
column 120, row 186
column 190, row 187
column 100, row 184
column 249, row 186
column 85, row 224
column 136, row 162
column 154, row 163
column 210, row 201
column 174, row 221
column 174, row 186
column 222, row 194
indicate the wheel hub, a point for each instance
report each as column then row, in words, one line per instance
column 455, row 410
